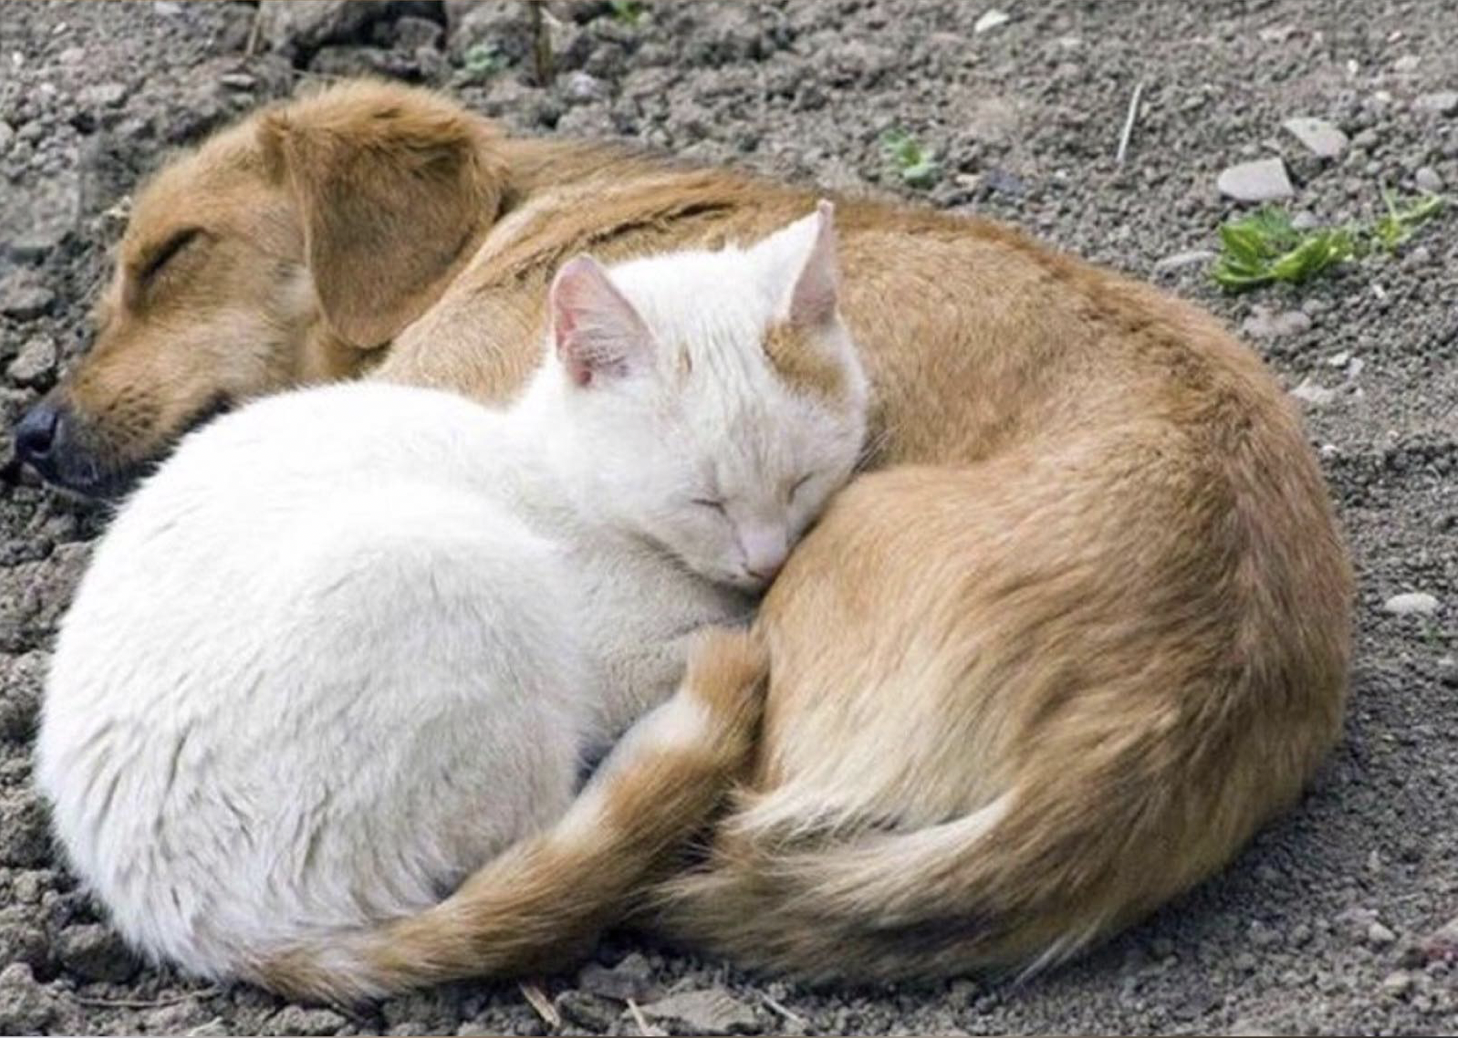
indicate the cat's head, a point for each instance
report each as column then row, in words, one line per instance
column 709, row 401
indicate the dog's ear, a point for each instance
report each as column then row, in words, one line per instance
column 394, row 187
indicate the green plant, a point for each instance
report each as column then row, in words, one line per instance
column 480, row 61
column 1265, row 247
column 629, row 12
column 1398, row 225
column 915, row 164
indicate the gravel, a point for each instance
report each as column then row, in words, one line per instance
column 1024, row 120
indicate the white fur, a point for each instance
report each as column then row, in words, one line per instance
column 351, row 642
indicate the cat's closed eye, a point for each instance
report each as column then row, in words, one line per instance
column 713, row 504
column 799, row 485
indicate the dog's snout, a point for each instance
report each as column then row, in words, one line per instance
column 38, row 434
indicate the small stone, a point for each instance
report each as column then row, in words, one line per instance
column 1412, row 603
column 1320, row 137
column 95, row 952
column 22, row 939
column 582, row 88
column 167, row 8
column 1339, row 360
column 103, row 95
column 23, row 296
column 7, row 134
column 591, row 1012
column 632, row 977
column 24, row 840
column 237, row 81
column 1245, row 962
column 1406, row 64
column 1379, row 935
column 712, row 1011
column 1417, row 258
column 1426, row 179
column 298, row 1020
column 1397, row 983
column 1264, row 180
column 990, row 19
column 1311, row 392
column 1178, row 260
column 1264, row 324
column 35, row 362
column 412, row 33
column 25, row 1006
column 1304, row 221
column 1261, row 935
column 1442, row 102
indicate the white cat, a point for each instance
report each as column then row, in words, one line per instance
column 351, row 643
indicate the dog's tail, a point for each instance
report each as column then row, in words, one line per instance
column 544, row 901
column 1017, row 885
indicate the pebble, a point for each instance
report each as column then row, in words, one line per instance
column 7, row 134
column 591, row 1012
column 298, row 1020
column 24, row 840
column 23, row 296
column 1264, row 324
column 167, row 8
column 1397, row 983
column 103, row 95
column 1406, row 64
column 712, row 1011
column 582, row 88
column 632, row 977
column 1379, row 935
column 1426, row 179
column 1320, row 137
column 1264, row 180
column 1442, row 102
column 25, row 1006
column 95, row 952
column 1183, row 259
column 35, row 361
column 1311, row 392
column 1412, row 603
column 1365, row 139
column 990, row 19
column 1261, row 935
column 237, row 81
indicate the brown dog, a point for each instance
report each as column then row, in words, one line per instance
column 1085, row 630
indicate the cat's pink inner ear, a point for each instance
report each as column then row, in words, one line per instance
column 814, row 295
column 596, row 331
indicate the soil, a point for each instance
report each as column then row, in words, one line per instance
column 1340, row 918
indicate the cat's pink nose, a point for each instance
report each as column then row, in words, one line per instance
column 765, row 550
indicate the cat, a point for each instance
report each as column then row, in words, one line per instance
column 350, row 643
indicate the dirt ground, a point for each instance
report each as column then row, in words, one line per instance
column 1340, row 919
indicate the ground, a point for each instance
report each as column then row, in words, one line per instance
column 1340, row 918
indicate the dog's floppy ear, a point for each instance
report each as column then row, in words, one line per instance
column 394, row 186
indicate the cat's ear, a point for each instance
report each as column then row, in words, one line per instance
column 596, row 331
column 812, row 300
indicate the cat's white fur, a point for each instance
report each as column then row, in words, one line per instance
column 349, row 643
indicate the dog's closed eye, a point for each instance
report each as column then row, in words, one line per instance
column 166, row 252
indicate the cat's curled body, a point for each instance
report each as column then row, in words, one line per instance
column 350, row 643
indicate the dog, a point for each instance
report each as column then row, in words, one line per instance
column 1080, row 629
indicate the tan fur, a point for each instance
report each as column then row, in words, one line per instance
column 1083, row 636
column 800, row 366
column 543, row 902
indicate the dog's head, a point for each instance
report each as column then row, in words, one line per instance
column 285, row 250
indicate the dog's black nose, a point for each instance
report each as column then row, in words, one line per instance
column 37, row 433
